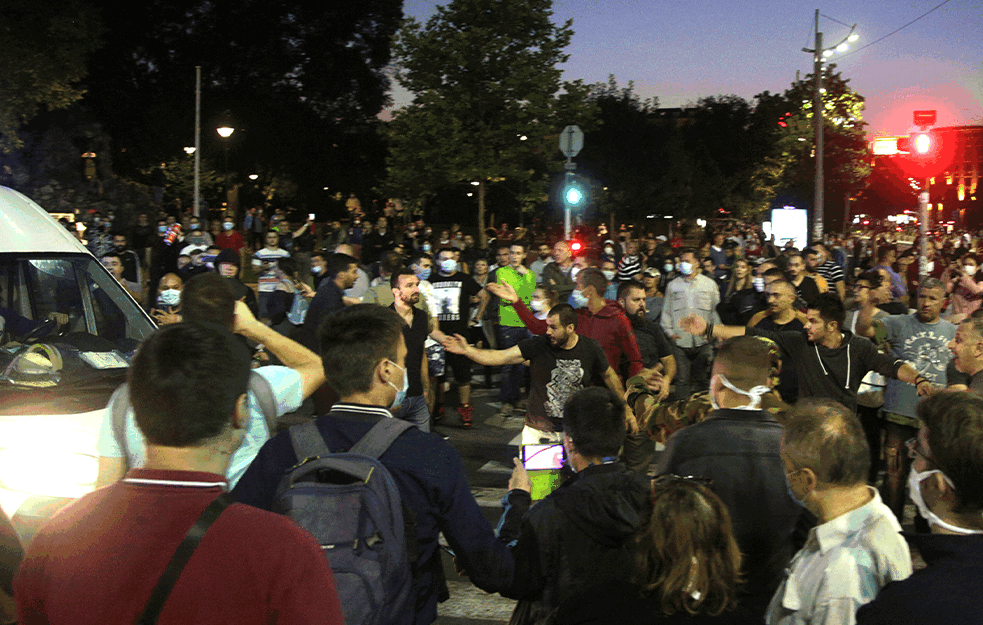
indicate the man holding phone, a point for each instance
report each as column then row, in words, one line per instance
column 580, row 535
column 561, row 363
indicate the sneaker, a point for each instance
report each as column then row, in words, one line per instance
column 465, row 410
column 505, row 410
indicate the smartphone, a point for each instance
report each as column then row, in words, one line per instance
column 538, row 457
column 310, row 216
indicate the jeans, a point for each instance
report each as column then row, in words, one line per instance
column 415, row 410
column 692, row 369
column 513, row 376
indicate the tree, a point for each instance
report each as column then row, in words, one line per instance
column 43, row 51
column 484, row 74
column 302, row 81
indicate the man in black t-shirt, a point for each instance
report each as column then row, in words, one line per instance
column 452, row 293
column 561, row 363
column 406, row 294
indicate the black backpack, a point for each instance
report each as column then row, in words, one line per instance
column 350, row 503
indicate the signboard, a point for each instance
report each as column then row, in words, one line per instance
column 790, row 224
column 571, row 141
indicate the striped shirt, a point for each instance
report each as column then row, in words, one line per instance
column 832, row 272
column 629, row 267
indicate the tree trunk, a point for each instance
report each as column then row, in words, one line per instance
column 482, row 237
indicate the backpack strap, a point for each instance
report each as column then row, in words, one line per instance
column 308, row 442
column 263, row 392
column 380, row 437
column 119, row 405
column 180, row 558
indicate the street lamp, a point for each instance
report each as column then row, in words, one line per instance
column 225, row 131
column 820, row 54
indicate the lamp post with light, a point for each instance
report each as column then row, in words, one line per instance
column 819, row 55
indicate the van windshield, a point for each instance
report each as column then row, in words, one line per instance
column 67, row 333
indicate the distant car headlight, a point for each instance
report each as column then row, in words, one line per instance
column 54, row 473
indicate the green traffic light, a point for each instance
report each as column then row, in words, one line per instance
column 573, row 195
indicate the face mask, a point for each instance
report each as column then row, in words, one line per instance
column 424, row 274
column 685, row 268
column 668, row 267
column 96, row 220
column 228, row 225
column 538, row 305
column 195, row 226
column 788, row 488
column 915, row 487
column 608, row 274
column 162, row 229
column 426, row 247
column 969, row 270
column 317, row 270
column 448, row 265
column 169, row 297
column 609, row 251
column 755, row 394
column 400, row 392
column 579, row 299
column 759, row 284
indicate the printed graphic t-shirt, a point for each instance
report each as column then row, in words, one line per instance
column 452, row 299
column 556, row 374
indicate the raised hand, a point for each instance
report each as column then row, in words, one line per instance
column 505, row 292
column 693, row 324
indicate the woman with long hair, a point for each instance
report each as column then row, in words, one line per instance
column 738, row 302
column 687, row 567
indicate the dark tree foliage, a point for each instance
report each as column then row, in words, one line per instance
column 300, row 80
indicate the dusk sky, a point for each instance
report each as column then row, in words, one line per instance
column 682, row 51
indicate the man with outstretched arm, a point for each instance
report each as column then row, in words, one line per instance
column 829, row 362
column 561, row 363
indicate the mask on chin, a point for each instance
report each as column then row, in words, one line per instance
column 915, row 479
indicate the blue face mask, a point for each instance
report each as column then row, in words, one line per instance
column 579, row 299
column 788, row 487
column 400, row 392
column 424, row 274
column 228, row 225
column 448, row 265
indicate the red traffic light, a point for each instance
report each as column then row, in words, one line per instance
column 576, row 247
column 922, row 143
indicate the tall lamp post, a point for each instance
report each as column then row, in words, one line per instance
column 819, row 55
column 225, row 131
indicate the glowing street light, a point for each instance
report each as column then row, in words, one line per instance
column 225, row 131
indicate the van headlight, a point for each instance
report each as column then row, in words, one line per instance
column 55, row 473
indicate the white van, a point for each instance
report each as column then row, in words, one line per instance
column 67, row 333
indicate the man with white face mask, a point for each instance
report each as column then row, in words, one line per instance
column 857, row 547
column 737, row 446
column 945, row 485
column 692, row 293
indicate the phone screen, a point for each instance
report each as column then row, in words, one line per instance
column 310, row 216
column 536, row 457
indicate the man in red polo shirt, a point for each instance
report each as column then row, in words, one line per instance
column 98, row 560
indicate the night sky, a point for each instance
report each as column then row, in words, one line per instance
column 682, row 51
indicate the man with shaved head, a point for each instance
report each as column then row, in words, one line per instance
column 779, row 316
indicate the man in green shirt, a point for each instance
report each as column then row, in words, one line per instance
column 511, row 328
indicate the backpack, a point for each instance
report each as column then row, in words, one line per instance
column 351, row 505
column 259, row 387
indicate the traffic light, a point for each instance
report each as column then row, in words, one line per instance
column 573, row 193
column 922, row 142
column 576, row 247
column 925, row 153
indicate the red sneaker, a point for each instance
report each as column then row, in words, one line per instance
column 465, row 410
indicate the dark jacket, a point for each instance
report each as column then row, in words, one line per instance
column 581, row 534
column 738, row 450
column 832, row 373
column 431, row 482
column 946, row 591
column 558, row 279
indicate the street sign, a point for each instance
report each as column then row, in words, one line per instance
column 571, row 141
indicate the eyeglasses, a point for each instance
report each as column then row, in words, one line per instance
column 915, row 451
column 669, row 479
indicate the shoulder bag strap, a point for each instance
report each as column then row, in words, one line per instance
column 263, row 392
column 180, row 558
column 380, row 437
column 307, row 441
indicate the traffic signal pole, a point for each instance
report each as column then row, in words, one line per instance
column 923, row 230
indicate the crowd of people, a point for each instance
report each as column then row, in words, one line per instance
column 802, row 398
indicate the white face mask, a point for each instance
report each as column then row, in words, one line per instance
column 754, row 393
column 915, row 480
column 608, row 274
column 685, row 268
column 538, row 305
column 609, row 251
column 169, row 297
column 759, row 284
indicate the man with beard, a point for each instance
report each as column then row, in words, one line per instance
column 561, row 362
column 406, row 295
